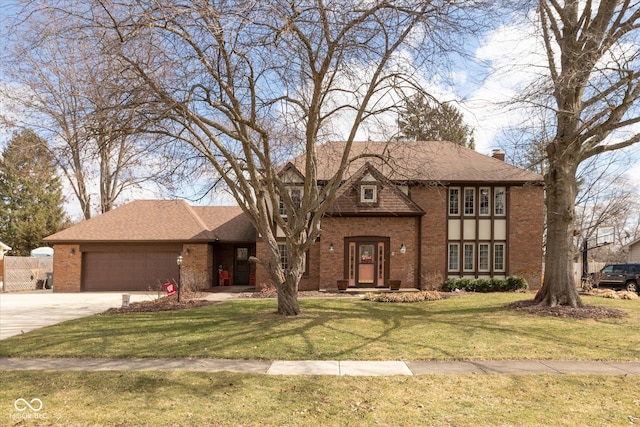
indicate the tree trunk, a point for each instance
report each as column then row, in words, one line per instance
column 288, row 299
column 559, row 287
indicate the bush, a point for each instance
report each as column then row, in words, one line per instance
column 403, row 296
column 510, row 284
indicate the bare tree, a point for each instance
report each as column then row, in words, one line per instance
column 249, row 84
column 74, row 94
column 594, row 69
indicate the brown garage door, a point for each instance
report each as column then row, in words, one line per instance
column 127, row 271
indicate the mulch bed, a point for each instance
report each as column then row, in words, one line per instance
column 587, row 312
column 160, row 304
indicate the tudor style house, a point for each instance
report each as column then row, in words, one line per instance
column 421, row 212
column 418, row 212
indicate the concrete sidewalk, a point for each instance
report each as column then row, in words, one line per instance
column 329, row 367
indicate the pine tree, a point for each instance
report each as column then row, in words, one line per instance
column 30, row 193
column 423, row 120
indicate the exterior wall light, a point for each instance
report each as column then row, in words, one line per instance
column 331, row 249
column 403, row 249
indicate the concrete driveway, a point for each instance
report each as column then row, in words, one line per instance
column 25, row 311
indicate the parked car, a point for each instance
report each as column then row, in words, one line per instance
column 621, row 276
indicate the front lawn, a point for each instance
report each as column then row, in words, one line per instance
column 474, row 326
column 227, row 399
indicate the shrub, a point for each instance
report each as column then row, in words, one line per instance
column 510, row 284
column 403, row 296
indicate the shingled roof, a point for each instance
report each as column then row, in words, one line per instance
column 426, row 161
column 390, row 199
column 161, row 221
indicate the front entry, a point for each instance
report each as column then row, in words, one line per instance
column 242, row 267
column 367, row 261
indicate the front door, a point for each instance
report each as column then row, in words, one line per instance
column 241, row 268
column 367, row 262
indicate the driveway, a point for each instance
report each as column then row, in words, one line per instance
column 25, row 311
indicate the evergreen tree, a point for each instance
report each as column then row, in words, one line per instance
column 423, row 120
column 30, row 193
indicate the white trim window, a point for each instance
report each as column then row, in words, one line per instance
column 483, row 257
column 368, row 194
column 485, row 201
column 454, row 201
column 454, row 257
column 284, row 256
column 499, row 208
column 296, row 197
column 498, row 257
column 469, row 201
column 469, row 257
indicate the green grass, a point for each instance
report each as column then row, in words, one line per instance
column 226, row 399
column 465, row 327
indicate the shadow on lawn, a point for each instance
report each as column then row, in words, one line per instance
column 328, row 329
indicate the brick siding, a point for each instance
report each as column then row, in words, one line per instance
column 526, row 227
column 67, row 268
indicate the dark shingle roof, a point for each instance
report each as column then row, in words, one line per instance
column 161, row 221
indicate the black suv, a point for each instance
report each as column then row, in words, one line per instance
column 625, row 276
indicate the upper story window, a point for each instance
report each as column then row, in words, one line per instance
column 469, row 201
column 454, row 201
column 499, row 201
column 484, row 201
column 368, row 194
column 296, row 197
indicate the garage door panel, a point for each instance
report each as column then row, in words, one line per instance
column 128, row 271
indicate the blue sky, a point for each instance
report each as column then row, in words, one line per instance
column 493, row 73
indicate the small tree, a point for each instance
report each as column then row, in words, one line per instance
column 422, row 118
column 31, row 194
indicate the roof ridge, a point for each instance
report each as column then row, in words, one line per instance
column 195, row 216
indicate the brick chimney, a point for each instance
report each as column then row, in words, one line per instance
column 498, row 154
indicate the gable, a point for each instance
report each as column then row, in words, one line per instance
column 388, row 198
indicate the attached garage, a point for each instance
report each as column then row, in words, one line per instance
column 135, row 247
column 117, row 268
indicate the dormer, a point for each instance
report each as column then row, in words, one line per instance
column 368, row 188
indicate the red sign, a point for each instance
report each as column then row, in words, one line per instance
column 170, row 288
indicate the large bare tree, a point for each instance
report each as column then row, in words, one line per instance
column 593, row 52
column 73, row 94
column 249, row 84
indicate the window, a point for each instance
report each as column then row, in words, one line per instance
column 484, row 201
column 498, row 201
column 284, row 256
column 468, row 256
column 498, row 257
column 454, row 263
column 469, row 201
column 483, row 257
column 368, row 194
column 454, row 201
column 296, row 198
